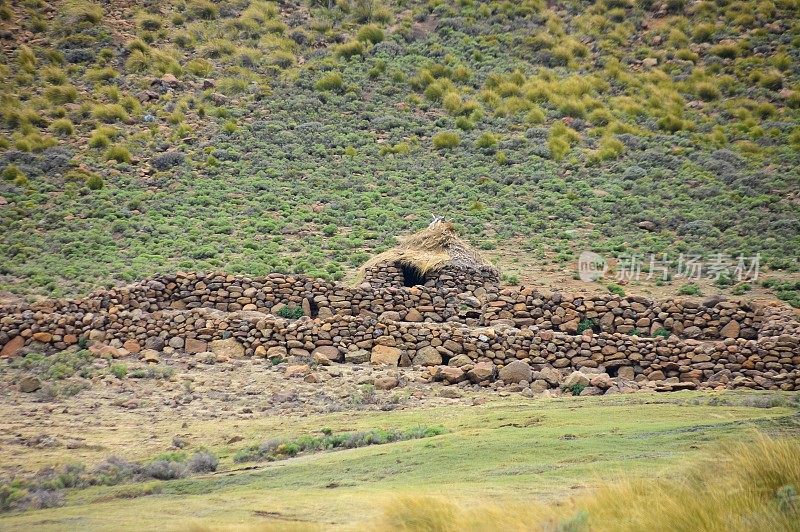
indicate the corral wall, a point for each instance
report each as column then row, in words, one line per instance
column 731, row 341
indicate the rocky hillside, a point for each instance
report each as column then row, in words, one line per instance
column 253, row 136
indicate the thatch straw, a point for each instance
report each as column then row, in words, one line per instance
column 431, row 249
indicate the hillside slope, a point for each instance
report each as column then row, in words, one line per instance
column 142, row 137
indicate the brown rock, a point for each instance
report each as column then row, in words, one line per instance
column 12, row 347
column 329, row 352
column 44, row 337
column 482, row 371
column 29, row 384
column 194, row 346
column 626, row 372
column 450, row 374
column 413, row 315
column 150, row 356
column 730, row 330
column 70, row 339
column 228, row 348
column 132, row 346
column 297, row 371
column 385, row 355
column 427, row 356
column 386, row 383
column 515, row 372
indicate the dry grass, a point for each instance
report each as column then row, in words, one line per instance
column 431, row 249
column 741, row 486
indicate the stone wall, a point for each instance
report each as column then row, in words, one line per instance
column 731, row 343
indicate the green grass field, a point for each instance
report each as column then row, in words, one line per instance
column 503, row 452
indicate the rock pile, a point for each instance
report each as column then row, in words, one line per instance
column 468, row 333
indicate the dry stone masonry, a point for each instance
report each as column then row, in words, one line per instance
column 460, row 324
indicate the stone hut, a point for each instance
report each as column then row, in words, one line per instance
column 434, row 257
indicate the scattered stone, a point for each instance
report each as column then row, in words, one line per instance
column 427, row 356
column 150, row 356
column 12, row 347
column 515, row 371
column 385, row 355
column 576, row 378
column 227, row 348
column 28, row 384
column 359, row 356
column 386, row 383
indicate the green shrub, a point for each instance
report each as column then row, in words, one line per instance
column 586, row 324
column 370, row 33
column 724, row 50
column 616, row 289
column 290, row 312
column 661, row 332
column 94, row 181
column 689, row 289
column 486, row 140
column 331, row 81
column 350, row 49
column 118, row 370
column 111, row 112
column 446, row 140
column 707, row 91
column 202, row 9
column 61, row 94
column 12, row 172
column 62, row 126
column 119, row 154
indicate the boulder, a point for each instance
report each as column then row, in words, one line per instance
column 156, row 343
column 325, row 354
column 413, row 315
column 194, row 346
column 277, row 352
column 482, row 371
column 386, row 383
column 12, row 347
column 44, row 337
column 29, row 384
column 132, row 346
column 450, row 374
column 150, row 355
column 176, row 342
column 459, row 361
column 385, row 355
column 427, row 356
column 299, row 370
column 576, row 378
column 227, row 348
column 626, row 372
column 359, row 356
column 730, row 330
column 515, row 372
column 550, row 375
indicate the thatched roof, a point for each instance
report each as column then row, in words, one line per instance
column 434, row 248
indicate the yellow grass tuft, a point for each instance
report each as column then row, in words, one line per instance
column 742, row 486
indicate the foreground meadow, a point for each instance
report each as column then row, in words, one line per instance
column 527, row 460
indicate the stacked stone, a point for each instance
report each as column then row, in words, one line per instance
column 439, row 325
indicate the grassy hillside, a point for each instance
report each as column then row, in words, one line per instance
column 256, row 136
column 506, row 452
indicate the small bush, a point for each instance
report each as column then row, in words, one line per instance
column 690, row 289
column 331, row 81
column 370, row 33
column 290, row 312
column 350, row 49
column 118, row 370
column 707, row 91
column 119, row 154
column 62, row 126
column 616, row 289
column 446, row 140
column 167, row 160
column 486, row 140
column 110, row 113
column 202, row 462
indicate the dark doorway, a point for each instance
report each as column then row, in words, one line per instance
column 411, row 276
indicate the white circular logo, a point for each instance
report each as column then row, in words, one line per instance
column 591, row 266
